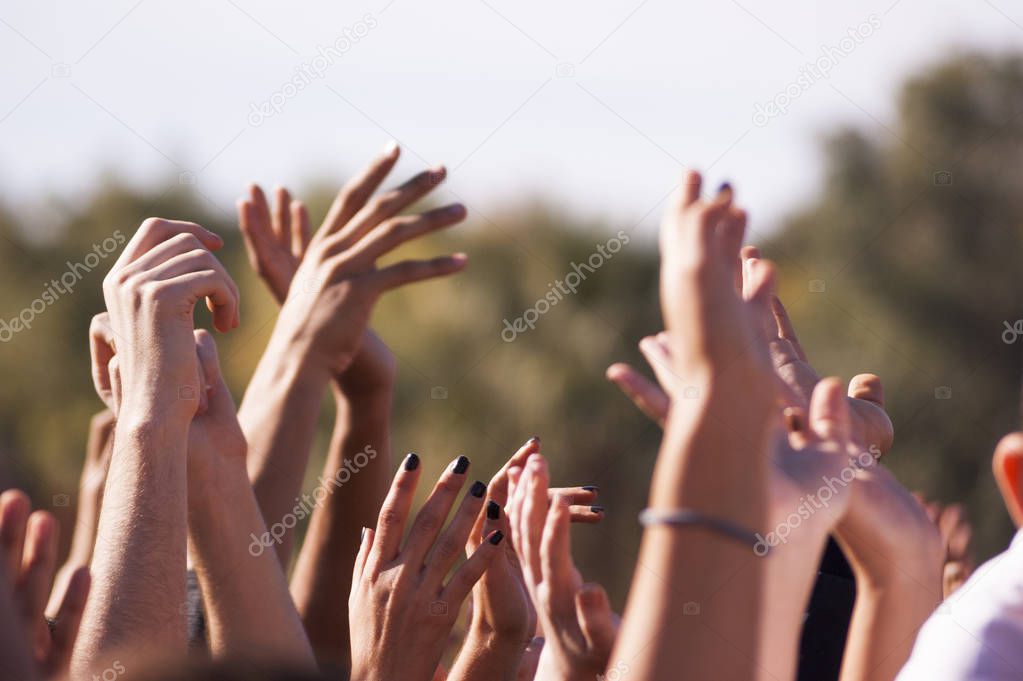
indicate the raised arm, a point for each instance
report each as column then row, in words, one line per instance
column 353, row 485
column 139, row 563
column 249, row 611
column 897, row 557
column 713, row 461
column 325, row 314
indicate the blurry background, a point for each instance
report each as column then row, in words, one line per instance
column 876, row 145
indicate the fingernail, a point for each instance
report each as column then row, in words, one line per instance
column 590, row 488
column 725, row 187
column 391, row 148
column 493, row 510
column 456, row 209
column 362, row 536
column 535, row 440
column 461, row 465
column 478, row 489
column 496, row 537
column 411, row 461
column 596, row 509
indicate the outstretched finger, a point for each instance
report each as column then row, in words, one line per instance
column 300, row 230
column 596, row 619
column 644, row 393
column 356, row 192
column 14, row 511
column 411, row 271
column 282, row 218
column 38, row 566
column 68, row 618
column 394, row 513
column 785, row 328
column 461, row 583
column 829, row 412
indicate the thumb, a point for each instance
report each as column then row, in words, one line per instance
column 867, row 387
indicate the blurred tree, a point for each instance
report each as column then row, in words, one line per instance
column 907, row 265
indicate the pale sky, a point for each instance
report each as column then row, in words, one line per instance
column 594, row 105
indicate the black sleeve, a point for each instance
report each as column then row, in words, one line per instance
column 827, row 618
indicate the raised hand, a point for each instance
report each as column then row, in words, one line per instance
column 150, row 293
column 146, row 367
column 872, row 428
column 338, row 280
column 28, row 549
column 576, row 618
column 403, row 605
column 328, row 284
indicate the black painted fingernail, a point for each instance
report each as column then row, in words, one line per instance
column 596, row 509
column 591, row 488
column 496, row 537
column 535, row 438
column 493, row 510
column 725, row 187
column 461, row 465
column 411, row 461
column 478, row 489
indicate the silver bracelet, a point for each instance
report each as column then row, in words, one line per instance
column 685, row 516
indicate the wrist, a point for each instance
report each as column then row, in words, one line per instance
column 289, row 361
column 364, row 400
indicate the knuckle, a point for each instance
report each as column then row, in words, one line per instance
column 389, row 517
column 150, row 225
column 388, row 202
column 448, row 547
column 428, row 523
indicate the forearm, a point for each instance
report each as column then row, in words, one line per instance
column 248, row 608
column 355, row 478
column 278, row 416
column 486, row 658
column 884, row 624
column 684, row 599
column 138, row 567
